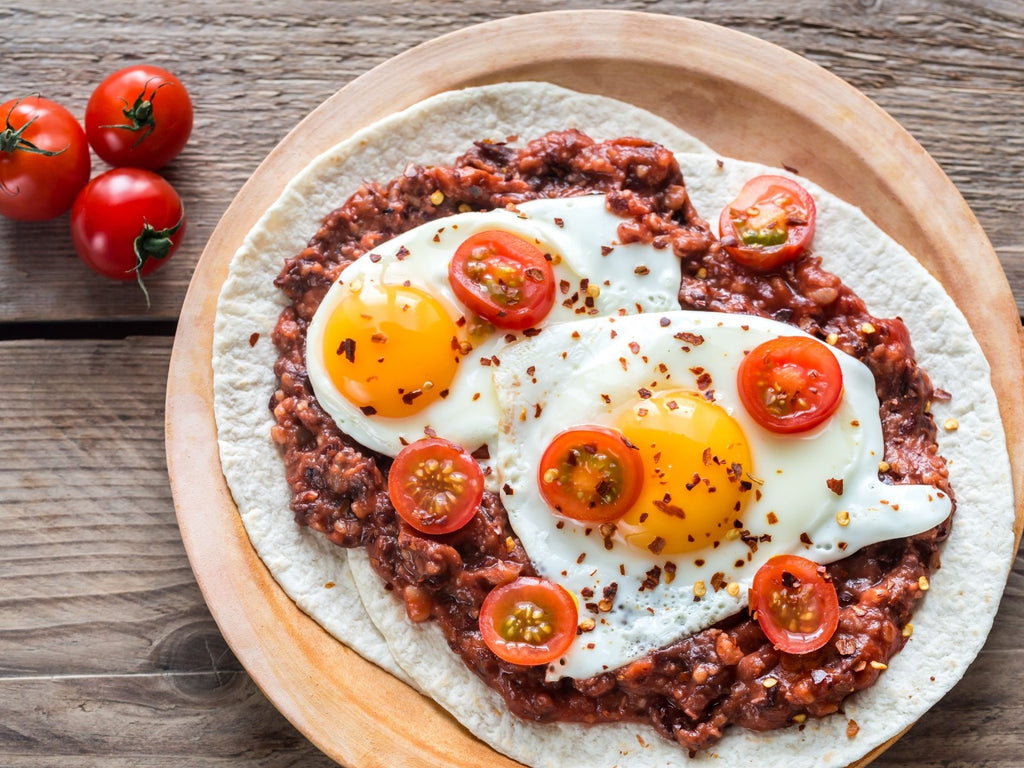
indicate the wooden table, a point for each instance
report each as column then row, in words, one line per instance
column 108, row 655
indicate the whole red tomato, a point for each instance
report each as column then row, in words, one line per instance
column 126, row 223
column 140, row 116
column 44, row 159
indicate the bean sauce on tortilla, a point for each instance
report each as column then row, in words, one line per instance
column 691, row 690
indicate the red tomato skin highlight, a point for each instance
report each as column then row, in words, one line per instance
column 607, row 441
column 762, row 258
column 408, row 460
column 36, row 187
column 555, row 600
column 799, row 353
column 770, row 578
column 111, row 211
column 508, row 248
column 148, row 147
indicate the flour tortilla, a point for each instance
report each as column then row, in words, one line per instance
column 965, row 591
column 311, row 570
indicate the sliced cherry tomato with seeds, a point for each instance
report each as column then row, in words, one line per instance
column 591, row 474
column 503, row 278
column 790, row 384
column 44, row 159
column 770, row 223
column 140, row 116
column 435, row 485
column 795, row 604
column 529, row 621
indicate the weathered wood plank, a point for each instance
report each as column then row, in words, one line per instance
column 203, row 720
column 93, row 575
column 947, row 71
column 108, row 655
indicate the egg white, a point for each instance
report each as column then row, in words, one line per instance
column 582, row 237
column 584, row 372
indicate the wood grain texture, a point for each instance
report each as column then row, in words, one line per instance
column 108, row 654
column 948, row 72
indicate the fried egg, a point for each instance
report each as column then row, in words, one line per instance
column 392, row 355
column 667, row 381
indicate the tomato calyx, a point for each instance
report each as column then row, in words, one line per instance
column 13, row 140
column 153, row 243
column 140, row 114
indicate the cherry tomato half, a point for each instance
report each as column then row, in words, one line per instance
column 790, row 384
column 528, row 621
column 795, row 604
column 591, row 474
column 140, row 116
column 44, row 159
column 770, row 223
column 503, row 278
column 126, row 223
column 435, row 485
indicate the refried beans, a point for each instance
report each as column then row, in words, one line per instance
column 691, row 690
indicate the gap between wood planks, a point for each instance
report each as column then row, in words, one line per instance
column 86, row 329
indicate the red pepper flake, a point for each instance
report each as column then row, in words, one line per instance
column 664, row 322
column 348, row 349
column 606, row 249
column 531, row 332
column 536, row 410
column 690, row 338
column 368, row 410
column 835, row 485
column 669, row 509
column 485, row 361
column 507, row 489
column 641, row 270
column 482, row 453
column 652, row 579
column 634, row 347
column 531, row 370
column 559, row 221
column 644, row 393
column 403, row 252
column 607, row 399
column 670, row 572
column 409, row 397
column 805, row 539
column 374, row 257
column 564, row 286
column 852, row 729
column 253, row 338
column 718, row 581
column 429, row 431
column 657, row 545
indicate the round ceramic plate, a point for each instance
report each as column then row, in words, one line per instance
column 711, row 82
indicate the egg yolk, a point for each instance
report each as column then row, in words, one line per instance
column 696, row 459
column 391, row 350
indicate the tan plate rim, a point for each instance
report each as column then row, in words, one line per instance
column 651, row 61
